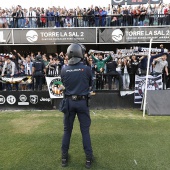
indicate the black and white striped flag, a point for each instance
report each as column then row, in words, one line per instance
column 154, row 83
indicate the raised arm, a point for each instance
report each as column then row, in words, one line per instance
column 94, row 58
column 21, row 57
column 107, row 58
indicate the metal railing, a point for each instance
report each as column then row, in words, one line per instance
column 85, row 21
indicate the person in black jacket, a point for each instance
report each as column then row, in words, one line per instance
column 77, row 80
column 111, row 71
column 133, row 67
column 38, row 70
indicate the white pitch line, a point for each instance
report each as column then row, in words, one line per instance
column 94, row 113
column 135, row 162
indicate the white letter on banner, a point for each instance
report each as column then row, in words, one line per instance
column 2, row 36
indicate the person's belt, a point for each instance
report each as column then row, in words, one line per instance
column 76, row 97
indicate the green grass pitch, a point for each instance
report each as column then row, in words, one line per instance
column 122, row 140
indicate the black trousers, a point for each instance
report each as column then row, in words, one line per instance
column 38, row 81
column 160, row 20
column 132, row 81
column 99, row 81
column 79, row 108
column 151, row 20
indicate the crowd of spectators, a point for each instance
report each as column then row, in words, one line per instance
column 109, row 72
column 18, row 17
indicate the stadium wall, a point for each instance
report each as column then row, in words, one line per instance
column 40, row 100
column 107, row 100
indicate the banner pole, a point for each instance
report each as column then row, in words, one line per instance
column 146, row 81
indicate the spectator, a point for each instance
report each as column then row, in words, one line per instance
column 104, row 14
column 31, row 15
column 136, row 15
column 114, row 21
column 80, row 17
column 142, row 15
column 22, row 70
column 65, row 63
column 50, row 15
column 109, row 13
column 57, row 67
column 167, row 14
column 133, row 68
column 21, row 74
column 120, row 18
column 150, row 12
column 90, row 13
column 57, row 17
column 69, row 19
column 62, row 17
column 111, row 72
column 125, row 72
column 119, row 81
column 44, row 57
column 13, row 19
column 9, row 70
column 160, row 15
column 125, row 14
column 6, row 16
column 42, row 19
column 100, row 68
column 38, row 17
column 61, row 57
column 50, row 68
column 25, row 21
column 85, row 18
column 96, row 16
column 161, row 63
column 14, row 57
column 20, row 17
column 100, row 62
column 1, row 20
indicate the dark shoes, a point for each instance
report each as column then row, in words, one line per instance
column 89, row 160
column 88, row 164
column 64, row 161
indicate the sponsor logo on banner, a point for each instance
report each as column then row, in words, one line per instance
column 117, row 35
column 2, row 99
column 144, row 34
column 55, row 87
column 11, row 99
column 45, row 99
column 32, row 36
column 23, row 99
column 134, row 34
column 117, row 1
column 33, row 99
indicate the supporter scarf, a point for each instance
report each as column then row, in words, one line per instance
column 14, row 80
